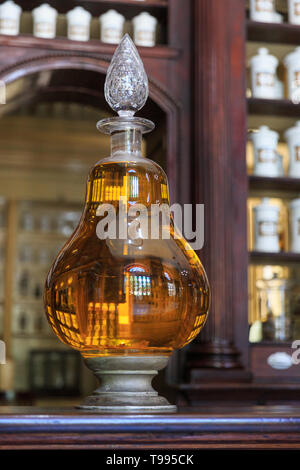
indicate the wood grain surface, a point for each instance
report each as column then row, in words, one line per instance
column 213, row 428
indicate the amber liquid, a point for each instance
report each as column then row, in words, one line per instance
column 107, row 297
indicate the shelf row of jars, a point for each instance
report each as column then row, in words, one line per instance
column 29, row 321
column 3, row 224
column 1, row 283
column 2, row 213
column 276, row 229
column 37, row 256
column 274, row 310
column 264, row 80
column 1, row 321
column 265, row 11
column 29, row 285
column 267, row 161
column 58, row 222
column 78, row 24
column 50, row 373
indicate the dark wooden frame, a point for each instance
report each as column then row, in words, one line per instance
column 221, row 353
column 64, row 61
column 222, row 365
column 199, row 81
column 168, row 68
column 248, row 428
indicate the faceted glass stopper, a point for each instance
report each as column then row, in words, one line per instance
column 126, row 85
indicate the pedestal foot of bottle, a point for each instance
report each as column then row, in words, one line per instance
column 126, row 385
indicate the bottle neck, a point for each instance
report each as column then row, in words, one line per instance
column 127, row 141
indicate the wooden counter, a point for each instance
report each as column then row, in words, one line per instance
column 215, row 428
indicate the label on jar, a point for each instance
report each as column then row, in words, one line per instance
column 266, row 156
column 264, row 5
column 296, row 82
column 267, row 228
column 265, row 79
column 280, row 361
column 78, row 31
column 298, row 225
column 43, row 27
column 8, row 24
column 297, row 153
column 297, row 8
column 111, row 34
column 146, row 37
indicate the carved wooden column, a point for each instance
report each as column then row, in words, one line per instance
column 221, row 183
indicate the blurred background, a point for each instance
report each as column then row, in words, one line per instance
column 224, row 79
column 49, row 142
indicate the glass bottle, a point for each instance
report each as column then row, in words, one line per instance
column 274, row 306
column 127, row 295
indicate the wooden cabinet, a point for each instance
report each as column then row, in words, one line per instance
column 213, row 428
column 279, row 114
column 60, row 73
column 220, row 182
column 222, row 357
column 198, row 81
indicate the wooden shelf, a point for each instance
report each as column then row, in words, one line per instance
column 209, row 427
column 272, row 258
column 283, row 33
column 39, row 336
column 35, row 236
column 266, row 343
column 140, row 3
column 273, row 107
column 128, row 8
column 275, row 184
column 230, row 386
column 93, row 46
column 26, row 301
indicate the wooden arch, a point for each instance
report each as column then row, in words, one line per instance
column 71, row 61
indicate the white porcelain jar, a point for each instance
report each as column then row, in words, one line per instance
column 44, row 21
column 292, row 136
column 144, row 27
column 263, row 74
column 279, row 90
column 10, row 15
column 267, row 162
column 295, row 225
column 79, row 21
column 277, row 18
column 292, row 64
column 262, row 10
column 112, row 24
column 266, row 227
column 294, row 11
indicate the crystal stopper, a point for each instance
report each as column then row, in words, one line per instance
column 126, row 85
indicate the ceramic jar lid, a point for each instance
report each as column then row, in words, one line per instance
column 44, row 13
column 10, row 9
column 292, row 131
column 266, row 206
column 274, row 283
column 264, row 133
column 79, row 15
column 144, row 20
column 292, row 56
column 112, row 17
column 278, row 18
column 263, row 56
column 295, row 203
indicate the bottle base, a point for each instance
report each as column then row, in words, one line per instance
column 126, row 385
